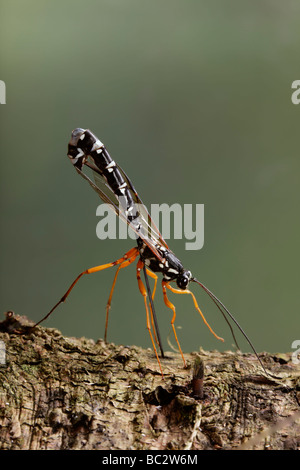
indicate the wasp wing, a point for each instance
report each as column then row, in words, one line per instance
column 144, row 214
column 148, row 232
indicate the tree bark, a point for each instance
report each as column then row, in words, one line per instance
column 70, row 393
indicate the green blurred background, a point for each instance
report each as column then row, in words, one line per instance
column 193, row 99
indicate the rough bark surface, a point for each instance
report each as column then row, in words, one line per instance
column 69, row 393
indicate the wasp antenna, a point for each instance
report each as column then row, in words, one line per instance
column 220, row 309
column 221, row 306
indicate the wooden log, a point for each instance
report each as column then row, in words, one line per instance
column 74, row 393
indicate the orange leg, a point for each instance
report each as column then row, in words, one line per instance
column 130, row 255
column 179, row 291
column 151, row 274
column 172, row 307
column 143, row 291
column 108, row 305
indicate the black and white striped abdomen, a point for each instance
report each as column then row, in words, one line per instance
column 84, row 144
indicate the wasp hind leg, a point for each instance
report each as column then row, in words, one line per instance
column 124, row 264
column 130, row 255
column 152, row 309
column 165, row 285
column 143, row 291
